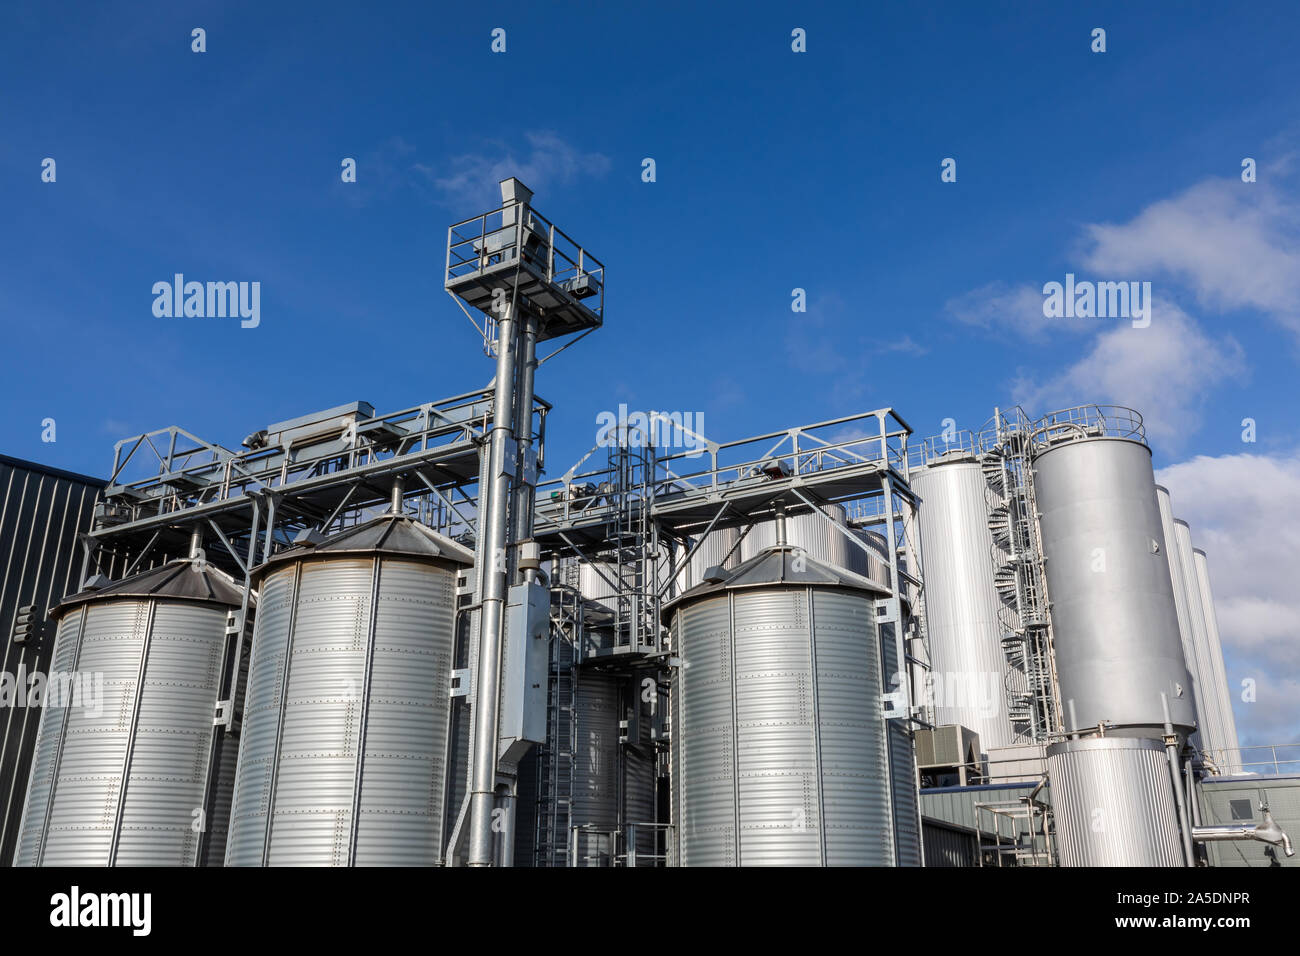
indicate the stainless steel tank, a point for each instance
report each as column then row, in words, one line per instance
column 872, row 562
column 344, row 751
column 1182, row 596
column 595, row 768
column 1115, row 627
column 809, row 531
column 124, row 768
column 969, row 666
column 1209, row 709
column 1113, row 802
column 1228, row 756
column 778, row 742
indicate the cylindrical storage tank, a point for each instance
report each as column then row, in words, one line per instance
column 1182, row 596
column 1208, row 709
column 343, row 757
column 1114, row 625
column 595, row 768
column 809, row 531
column 873, row 562
column 125, row 762
column 718, row 549
column 778, row 744
column 1208, row 701
column 1229, row 758
column 1113, row 802
column 962, row 605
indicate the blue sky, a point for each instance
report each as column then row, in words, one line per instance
column 775, row 170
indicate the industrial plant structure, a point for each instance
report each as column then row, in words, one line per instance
column 384, row 639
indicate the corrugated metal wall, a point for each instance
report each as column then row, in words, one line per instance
column 948, row 846
column 1225, row 800
column 41, row 513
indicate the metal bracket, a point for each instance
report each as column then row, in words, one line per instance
column 460, row 682
column 224, row 713
column 887, row 611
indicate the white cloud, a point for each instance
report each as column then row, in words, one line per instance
column 550, row 161
column 1235, row 244
column 1165, row 371
column 999, row 307
column 1241, row 509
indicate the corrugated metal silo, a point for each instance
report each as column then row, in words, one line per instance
column 1113, row 801
column 873, row 562
column 595, row 786
column 344, row 750
column 1115, row 627
column 780, row 751
column 122, row 775
column 962, row 604
column 808, row 531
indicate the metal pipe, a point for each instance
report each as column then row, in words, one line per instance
column 780, row 524
column 1171, row 751
column 399, row 491
column 1266, row 832
column 492, row 559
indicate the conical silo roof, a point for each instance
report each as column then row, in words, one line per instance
column 389, row 534
column 179, row 580
column 778, row 566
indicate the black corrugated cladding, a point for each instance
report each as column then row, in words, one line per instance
column 42, row 510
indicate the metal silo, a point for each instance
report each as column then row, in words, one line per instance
column 1113, row 802
column 1210, row 697
column 779, row 747
column 1115, row 627
column 962, row 605
column 718, row 549
column 1183, row 595
column 1228, row 756
column 873, row 562
column 809, row 531
column 344, row 750
column 124, row 770
column 595, row 814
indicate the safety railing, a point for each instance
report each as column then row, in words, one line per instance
column 1089, row 421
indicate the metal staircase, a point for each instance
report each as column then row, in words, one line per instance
column 1018, row 574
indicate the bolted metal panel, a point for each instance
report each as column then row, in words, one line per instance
column 1113, row 801
column 344, row 750
column 809, row 532
column 1115, row 627
column 123, row 774
column 595, row 784
column 1229, row 759
column 967, row 661
column 778, row 742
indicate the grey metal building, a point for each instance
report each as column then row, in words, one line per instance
column 42, row 510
